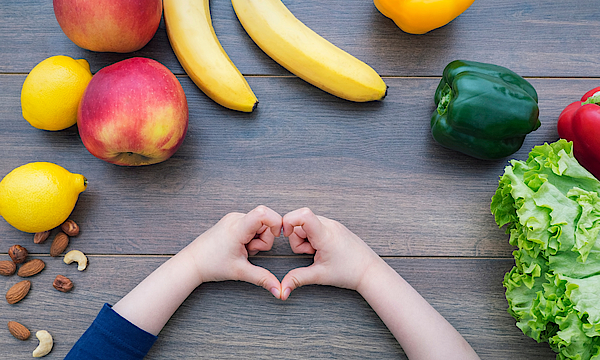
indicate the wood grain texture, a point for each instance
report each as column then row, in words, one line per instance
column 374, row 167
column 238, row 320
column 533, row 38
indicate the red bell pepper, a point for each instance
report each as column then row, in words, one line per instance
column 580, row 123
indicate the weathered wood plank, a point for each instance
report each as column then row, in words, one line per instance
column 374, row 167
column 533, row 38
column 238, row 320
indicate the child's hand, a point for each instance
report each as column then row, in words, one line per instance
column 221, row 253
column 341, row 257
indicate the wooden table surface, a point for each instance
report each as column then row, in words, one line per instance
column 374, row 167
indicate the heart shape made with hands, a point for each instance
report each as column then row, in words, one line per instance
column 341, row 257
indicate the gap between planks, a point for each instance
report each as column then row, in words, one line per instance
column 383, row 76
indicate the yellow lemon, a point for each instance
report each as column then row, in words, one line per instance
column 52, row 91
column 39, row 196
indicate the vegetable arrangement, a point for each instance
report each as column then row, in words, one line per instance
column 551, row 205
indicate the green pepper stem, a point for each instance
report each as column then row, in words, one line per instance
column 445, row 100
column 594, row 99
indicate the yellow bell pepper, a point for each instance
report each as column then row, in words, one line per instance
column 421, row 16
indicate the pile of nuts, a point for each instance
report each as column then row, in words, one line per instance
column 28, row 268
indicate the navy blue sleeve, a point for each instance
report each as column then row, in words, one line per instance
column 111, row 336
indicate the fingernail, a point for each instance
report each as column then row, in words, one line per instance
column 286, row 293
column 275, row 292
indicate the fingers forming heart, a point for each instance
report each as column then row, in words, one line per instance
column 297, row 226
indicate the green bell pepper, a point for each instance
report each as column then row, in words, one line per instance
column 483, row 110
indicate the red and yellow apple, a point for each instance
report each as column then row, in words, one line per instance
column 109, row 25
column 133, row 112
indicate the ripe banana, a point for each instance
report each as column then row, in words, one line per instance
column 193, row 39
column 305, row 53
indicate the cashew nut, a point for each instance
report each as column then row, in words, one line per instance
column 78, row 256
column 45, row 345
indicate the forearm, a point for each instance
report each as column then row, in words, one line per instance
column 153, row 301
column 421, row 331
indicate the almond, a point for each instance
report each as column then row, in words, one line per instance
column 70, row 228
column 7, row 267
column 40, row 237
column 62, row 283
column 59, row 244
column 31, row 268
column 18, row 291
column 17, row 253
column 19, row 331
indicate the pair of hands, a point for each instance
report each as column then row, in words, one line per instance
column 341, row 258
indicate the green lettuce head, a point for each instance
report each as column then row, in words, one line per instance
column 551, row 208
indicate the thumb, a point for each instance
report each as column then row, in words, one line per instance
column 299, row 277
column 261, row 277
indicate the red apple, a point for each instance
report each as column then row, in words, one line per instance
column 133, row 112
column 109, row 25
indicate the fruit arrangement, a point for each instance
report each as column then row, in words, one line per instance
column 134, row 112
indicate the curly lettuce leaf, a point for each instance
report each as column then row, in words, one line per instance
column 571, row 342
column 583, row 294
column 588, row 226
